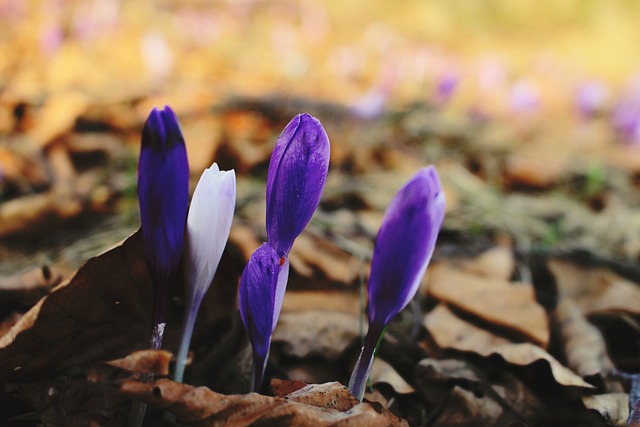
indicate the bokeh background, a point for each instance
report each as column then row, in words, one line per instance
column 526, row 96
column 490, row 56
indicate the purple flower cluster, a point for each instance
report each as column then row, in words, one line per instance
column 295, row 179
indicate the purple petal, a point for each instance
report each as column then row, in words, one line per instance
column 591, row 97
column 297, row 173
column 163, row 192
column 404, row 245
column 261, row 285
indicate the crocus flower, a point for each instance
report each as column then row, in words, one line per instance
column 208, row 226
column 262, row 287
column 403, row 249
column 295, row 179
column 163, row 192
column 447, row 85
column 626, row 114
column 524, row 97
column 590, row 98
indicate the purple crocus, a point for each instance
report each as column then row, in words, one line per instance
column 626, row 114
column 262, row 287
column 295, row 179
column 590, row 98
column 163, row 192
column 403, row 249
column 446, row 86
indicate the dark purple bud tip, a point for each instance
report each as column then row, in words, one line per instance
column 163, row 193
column 161, row 130
column 296, row 177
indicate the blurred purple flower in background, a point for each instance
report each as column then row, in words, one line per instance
column 297, row 173
column 208, row 226
column 447, row 85
column 163, row 193
column 626, row 114
column 403, row 249
column 590, row 98
column 524, row 97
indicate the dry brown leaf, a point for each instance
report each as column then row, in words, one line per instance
column 202, row 138
column 497, row 262
column 509, row 306
column 337, row 300
column 102, row 312
column 145, row 361
column 538, row 165
column 57, row 116
column 27, row 287
column 312, row 255
column 316, row 332
column 584, row 345
column 319, row 405
column 596, row 290
column 382, row 372
column 464, row 409
column 449, row 331
column 614, row 407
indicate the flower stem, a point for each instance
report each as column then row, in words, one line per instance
column 359, row 376
column 187, row 332
column 257, row 375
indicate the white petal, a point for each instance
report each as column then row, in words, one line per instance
column 208, row 226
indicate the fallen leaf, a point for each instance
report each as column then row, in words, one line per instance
column 465, row 409
column 596, row 290
column 319, row 405
column 382, row 372
column 509, row 306
column 102, row 312
column 497, row 262
column 317, row 258
column 316, row 333
column 449, row 331
column 614, row 407
column 337, row 300
column 538, row 165
column 584, row 345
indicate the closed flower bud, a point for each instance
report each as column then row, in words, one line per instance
column 163, row 193
column 208, row 226
column 403, row 249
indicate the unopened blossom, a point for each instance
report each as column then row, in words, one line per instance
column 163, row 193
column 208, row 226
column 403, row 249
column 295, row 179
column 262, row 287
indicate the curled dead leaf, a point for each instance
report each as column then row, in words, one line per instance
column 511, row 307
column 584, row 345
column 449, row 331
column 102, row 312
column 319, row 405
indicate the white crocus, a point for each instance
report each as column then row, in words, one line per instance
column 208, row 226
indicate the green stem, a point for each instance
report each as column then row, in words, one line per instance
column 187, row 332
